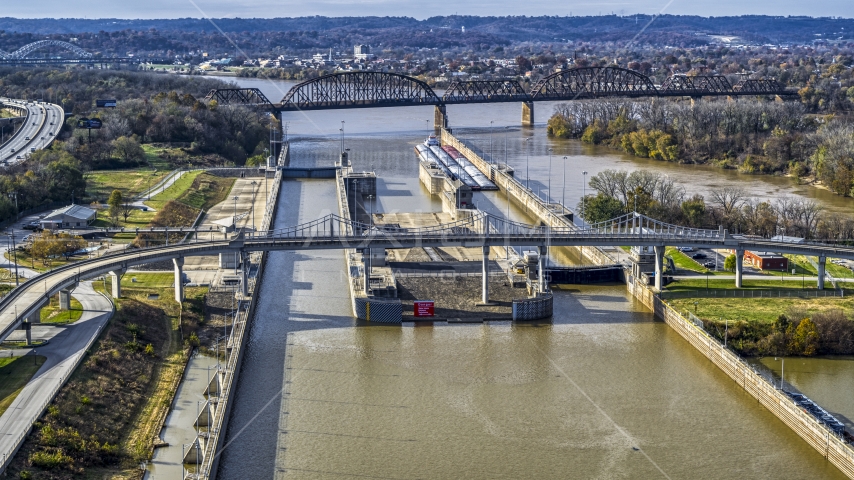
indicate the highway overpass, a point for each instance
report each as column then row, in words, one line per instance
column 335, row 232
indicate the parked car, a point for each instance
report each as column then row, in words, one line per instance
column 686, row 249
column 34, row 226
column 709, row 264
column 698, row 256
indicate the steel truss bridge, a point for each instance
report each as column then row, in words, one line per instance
column 382, row 89
column 335, row 232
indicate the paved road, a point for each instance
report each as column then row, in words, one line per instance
column 140, row 202
column 39, row 130
column 66, row 348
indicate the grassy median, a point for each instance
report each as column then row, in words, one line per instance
column 15, row 372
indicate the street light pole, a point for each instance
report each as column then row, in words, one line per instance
column 254, row 183
column 527, row 164
column 342, row 136
column 490, row 139
column 550, row 176
column 584, row 194
column 563, row 190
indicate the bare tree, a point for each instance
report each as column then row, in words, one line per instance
column 729, row 199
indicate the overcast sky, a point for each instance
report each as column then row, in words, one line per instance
column 419, row 9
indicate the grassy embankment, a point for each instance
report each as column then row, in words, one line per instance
column 52, row 313
column 15, row 372
column 106, row 418
column 100, row 184
column 759, row 309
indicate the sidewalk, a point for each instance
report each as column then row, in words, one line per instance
column 68, row 344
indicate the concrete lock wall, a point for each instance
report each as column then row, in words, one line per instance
column 538, row 308
column 379, row 311
column 833, row 448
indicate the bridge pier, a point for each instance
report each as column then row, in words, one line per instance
column 35, row 317
column 179, row 279
column 485, row 265
column 659, row 266
column 739, row 267
column 65, row 299
column 440, row 117
column 528, row 114
column 822, row 263
column 541, row 265
column 116, row 281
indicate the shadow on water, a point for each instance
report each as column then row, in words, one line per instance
column 322, row 396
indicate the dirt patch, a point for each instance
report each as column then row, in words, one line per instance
column 458, row 297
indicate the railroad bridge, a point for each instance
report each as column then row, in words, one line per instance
column 335, row 232
column 383, row 89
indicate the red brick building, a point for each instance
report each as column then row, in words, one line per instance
column 767, row 260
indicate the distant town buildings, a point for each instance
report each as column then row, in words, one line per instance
column 362, row 52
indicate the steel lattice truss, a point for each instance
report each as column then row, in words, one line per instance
column 759, row 87
column 593, row 82
column 485, row 90
column 699, row 85
column 31, row 47
column 359, row 89
column 380, row 89
column 238, row 96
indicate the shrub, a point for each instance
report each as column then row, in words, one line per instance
column 149, row 350
column 50, row 460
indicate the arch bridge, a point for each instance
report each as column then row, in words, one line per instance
column 384, row 89
column 26, row 50
column 335, row 232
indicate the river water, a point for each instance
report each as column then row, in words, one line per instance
column 602, row 392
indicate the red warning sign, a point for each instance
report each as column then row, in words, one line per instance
column 423, row 308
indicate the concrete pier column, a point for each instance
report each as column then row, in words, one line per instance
column 542, row 268
column 65, row 299
column 822, row 262
column 29, row 333
column 244, row 273
column 366, row 266
column 739, row 261
column 35, row 317
column 528, row 114
column 440, row 117
column 659, row 267
column 116, row 280
column 179, row 279
column 485, row 294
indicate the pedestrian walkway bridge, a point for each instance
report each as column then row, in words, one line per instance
column 334, row 232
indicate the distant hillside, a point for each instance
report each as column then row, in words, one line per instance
column 665, row 30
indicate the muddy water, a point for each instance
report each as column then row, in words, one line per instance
column 603, row 392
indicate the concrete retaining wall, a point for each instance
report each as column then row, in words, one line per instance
column 831, row 447
column 525, row 199
column 537, row 308
column 216, row 440
column 379, row 311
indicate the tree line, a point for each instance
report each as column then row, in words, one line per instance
column 151, row 108
column 796, row 332
column 751, row 136
column 658, row 196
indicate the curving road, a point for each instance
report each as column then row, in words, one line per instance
column 68, row 344
column 39, row 130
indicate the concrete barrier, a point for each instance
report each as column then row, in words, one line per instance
column 825, row 441
column 538, row 308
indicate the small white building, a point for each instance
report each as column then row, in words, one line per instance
column 72, row 216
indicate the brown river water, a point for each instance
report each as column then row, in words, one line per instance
column 603, row 392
